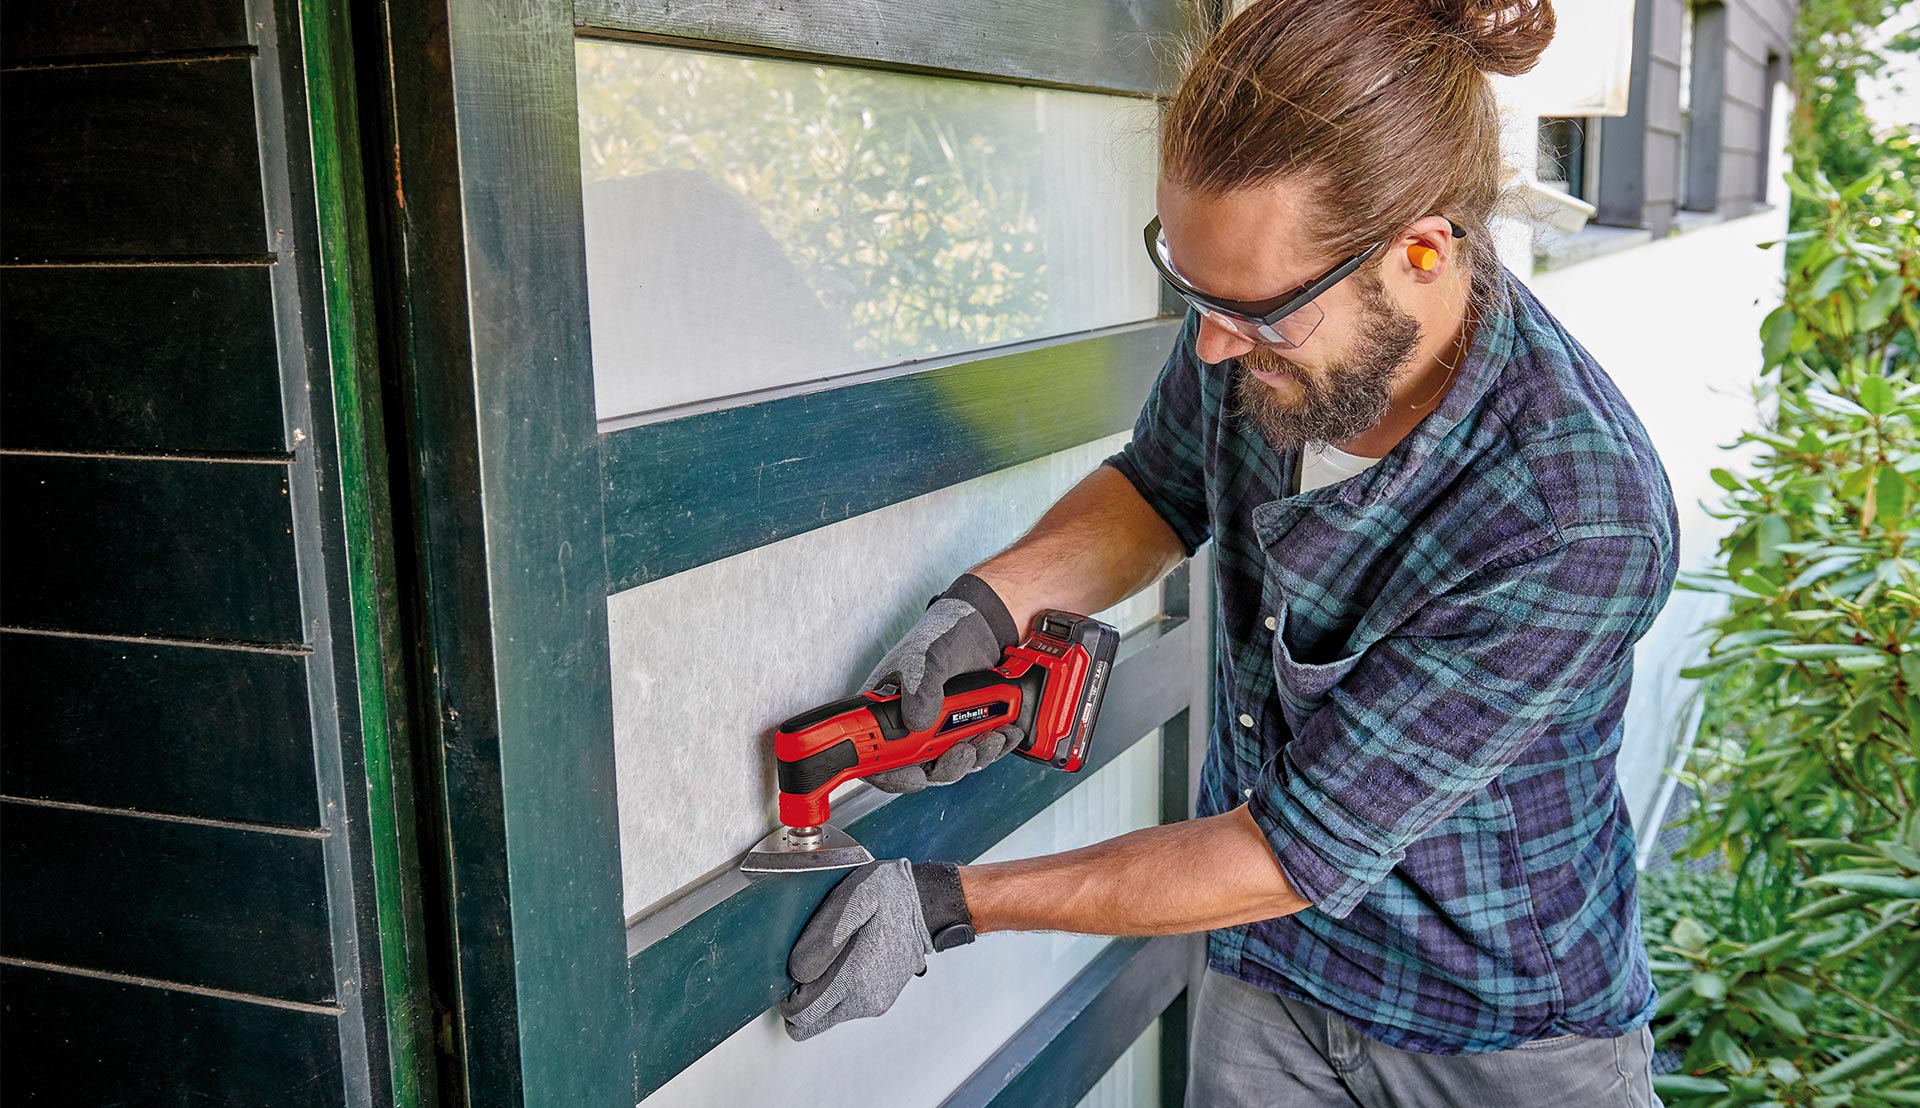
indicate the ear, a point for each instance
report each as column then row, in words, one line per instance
column 1429, row 240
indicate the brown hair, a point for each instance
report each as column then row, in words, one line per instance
column 1381, row 107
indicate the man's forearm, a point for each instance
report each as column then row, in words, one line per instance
column 1168, row 880
column 1097, row 545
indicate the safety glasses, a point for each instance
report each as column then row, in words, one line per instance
column 1285, row 320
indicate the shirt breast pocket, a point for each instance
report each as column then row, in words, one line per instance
column 1303, row 686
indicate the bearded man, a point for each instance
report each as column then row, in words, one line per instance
column 1438, row 532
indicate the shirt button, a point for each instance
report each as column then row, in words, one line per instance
column 1246, row 720
column 1246, row 793
column 1272, row 624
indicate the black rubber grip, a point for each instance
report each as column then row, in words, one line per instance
column 886, row 713
column 822, row 714
column 807, row 774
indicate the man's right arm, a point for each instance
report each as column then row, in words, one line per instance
column 1099, row 544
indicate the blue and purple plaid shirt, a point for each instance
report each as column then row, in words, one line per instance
column 1421, row 674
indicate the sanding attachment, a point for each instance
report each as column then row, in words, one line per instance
column 803, row 849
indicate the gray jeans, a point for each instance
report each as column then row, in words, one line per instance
column 1252, row 1049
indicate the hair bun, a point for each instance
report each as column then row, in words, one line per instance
column 1503, row 36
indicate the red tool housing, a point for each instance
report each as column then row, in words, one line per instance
column 1050, row 685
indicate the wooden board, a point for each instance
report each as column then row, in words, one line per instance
column 217, row 734
column 174, row 359
column 147, row 160
column 200, row 550
column 216, row 907
column 74, row 1040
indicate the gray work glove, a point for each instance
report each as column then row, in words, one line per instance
column 966, row 628
column 868, row 937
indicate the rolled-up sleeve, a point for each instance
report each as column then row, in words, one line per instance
column 1166, row 461
column 1429, row 717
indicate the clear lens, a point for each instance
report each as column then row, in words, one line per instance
column 1292, row 330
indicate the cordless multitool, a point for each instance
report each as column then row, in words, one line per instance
column 1049, row 686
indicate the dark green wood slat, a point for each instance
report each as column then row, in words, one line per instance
column 687, row 491
column 45, row 29
column 218, row 734
column 74, row 1040
column 1093, row 44
column 143, row 160
column 176, row 359
column 1071, row 1043
column 491, row 303
column 218, row 907
column 699, row 973
column 179, row 549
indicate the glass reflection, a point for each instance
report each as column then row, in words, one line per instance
column 755, row 222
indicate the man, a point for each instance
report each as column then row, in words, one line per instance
column 1438, row 531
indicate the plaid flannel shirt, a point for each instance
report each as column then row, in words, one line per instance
column 1420, row 679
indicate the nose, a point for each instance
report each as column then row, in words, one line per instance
column 1216, row 343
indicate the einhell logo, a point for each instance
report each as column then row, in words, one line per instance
column 968, row 715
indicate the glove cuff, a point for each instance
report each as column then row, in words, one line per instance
column 978, row 593
column 943, row 904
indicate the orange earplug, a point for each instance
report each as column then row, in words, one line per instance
column 1422, row 257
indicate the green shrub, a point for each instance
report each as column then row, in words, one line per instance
column 1789, row 979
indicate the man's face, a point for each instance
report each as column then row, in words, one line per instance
column 1339, row 383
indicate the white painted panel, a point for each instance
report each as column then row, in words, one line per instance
column 946, row 1024
column 1585, row 69
column 755, row 222
column 707, row 662
column 1676, row 324
column 1134, row 1079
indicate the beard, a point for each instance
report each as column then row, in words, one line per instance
column 1348, row 396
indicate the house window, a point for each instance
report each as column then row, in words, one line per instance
column 1703, row 68
column 1568, row 155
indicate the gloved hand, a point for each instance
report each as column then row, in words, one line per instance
column 966, row 628
column 872, row 933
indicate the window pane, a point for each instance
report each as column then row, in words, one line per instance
column 755, row 222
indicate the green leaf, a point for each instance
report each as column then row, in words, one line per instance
column 1722, row 1049
column 1890, row 497
column 1768, row 945
column 1688, row 935
column 1821, row 651
column 1710, row 582
column 1673, row 1000
column 1863, row 186
column 1680, row 1084
column 1901, row 968
column 1832, row 848
column 1825, row 567
column 1876, row 394
column 1776, row 333
column 1775, row 1013
column 1820, row 398
column 1758, row 583
column 1759, row 636
column 1829, row 278
column 1860, row 1061
column 1771, row 532
column 1724, row 478
column 1874, row 312
column 1879, row 884
column 1708, row 985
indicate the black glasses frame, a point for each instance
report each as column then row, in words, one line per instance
column 1272, row 310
